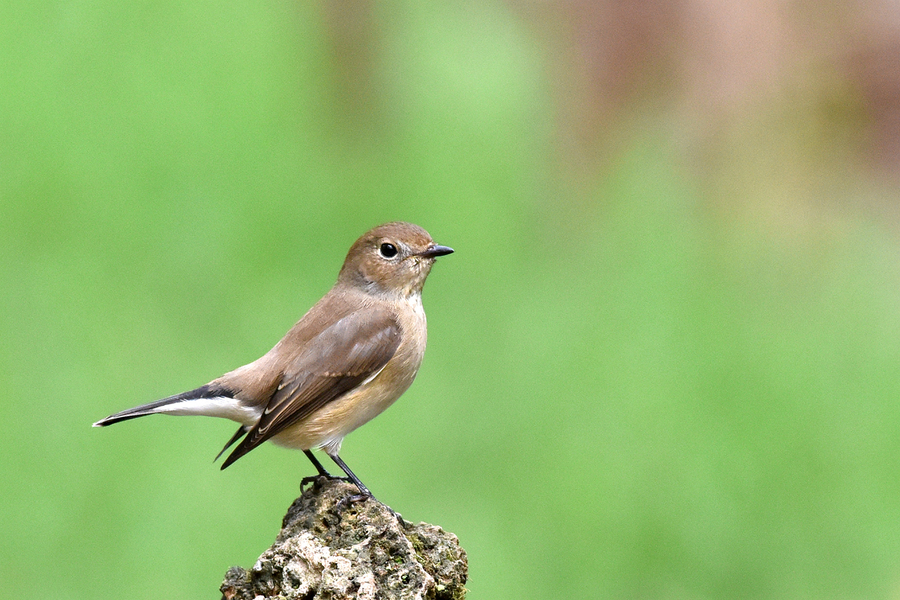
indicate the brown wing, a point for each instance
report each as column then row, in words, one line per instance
column 328, row 366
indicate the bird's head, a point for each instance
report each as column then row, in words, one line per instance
column 393, row 259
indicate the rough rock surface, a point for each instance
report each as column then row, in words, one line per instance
column 331, row 549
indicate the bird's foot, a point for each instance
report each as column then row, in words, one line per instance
column 347, row 501
column 312, row 478
column 308, row 480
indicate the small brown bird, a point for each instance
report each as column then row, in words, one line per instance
column 349, row 358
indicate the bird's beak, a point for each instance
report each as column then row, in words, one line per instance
column 436, row 251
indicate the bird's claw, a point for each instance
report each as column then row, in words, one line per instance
column 352, row 499
column 312, row 478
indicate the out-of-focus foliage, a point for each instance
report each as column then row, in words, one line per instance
column 664, row 361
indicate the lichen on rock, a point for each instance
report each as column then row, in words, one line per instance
column 329, row 548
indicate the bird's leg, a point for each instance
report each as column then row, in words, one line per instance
column 315, row 461
column 364, row 492
column 322, row 472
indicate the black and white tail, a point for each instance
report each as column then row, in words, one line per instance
column 205, row 400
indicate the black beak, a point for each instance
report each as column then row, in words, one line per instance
column 436, row 251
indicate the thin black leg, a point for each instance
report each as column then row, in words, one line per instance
column 362, row 488
column 317, row 464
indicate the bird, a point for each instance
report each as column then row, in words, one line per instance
column 354, row 353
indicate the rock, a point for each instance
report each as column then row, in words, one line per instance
column 330, row 548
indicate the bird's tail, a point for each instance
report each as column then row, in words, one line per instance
column 207, row 400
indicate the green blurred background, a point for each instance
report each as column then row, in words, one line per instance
column 663, row 363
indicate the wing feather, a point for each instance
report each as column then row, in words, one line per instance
column 329, row 365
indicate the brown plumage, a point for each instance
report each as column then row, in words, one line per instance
column 349, row 358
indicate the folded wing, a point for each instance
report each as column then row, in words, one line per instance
column 337, row 360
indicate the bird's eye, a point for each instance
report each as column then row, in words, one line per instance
column 388, row 250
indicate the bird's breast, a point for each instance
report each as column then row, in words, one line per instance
column 327, row 427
